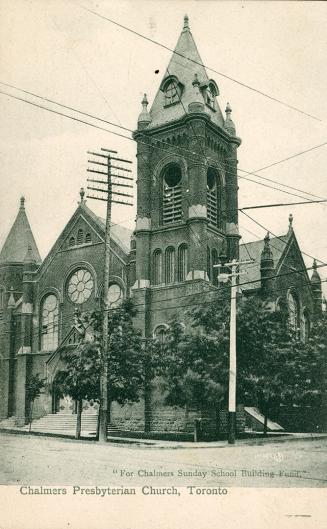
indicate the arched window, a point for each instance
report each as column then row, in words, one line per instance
column 171, row 93
column 171, row 194
column 80, row 236
column 182, row 262
column 213, row 197
column 157, row 267
column 71, row 241
column 49, row 322
column 214, row 261
column 293, row 312
column 305, row 326
column 210, row 96
column 88, row 237
column 160, row 334
column 169, row 265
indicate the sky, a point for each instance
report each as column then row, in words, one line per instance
column 62, row 52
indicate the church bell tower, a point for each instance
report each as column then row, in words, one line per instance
column 187, row 213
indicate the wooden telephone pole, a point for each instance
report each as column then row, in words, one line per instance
column 224, row 277
column 111, row 193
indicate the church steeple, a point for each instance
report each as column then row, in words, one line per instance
column 19, row 240
column 176, row 91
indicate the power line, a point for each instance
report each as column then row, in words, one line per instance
column 191, row 304
column 266, row 229
column 281, row 204
column 199, row 63
column 92, row 116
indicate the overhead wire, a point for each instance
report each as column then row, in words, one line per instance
column 272, row 98
column 163, row 142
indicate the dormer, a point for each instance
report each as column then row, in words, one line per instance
column 210, row 91
column 172, row 89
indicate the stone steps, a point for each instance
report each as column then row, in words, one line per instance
column 66, row 424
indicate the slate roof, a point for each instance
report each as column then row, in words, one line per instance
column 184, row 70
column 119, row 234
column 253, row 250
column 19, row 239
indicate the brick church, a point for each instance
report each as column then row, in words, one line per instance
column 187, row 217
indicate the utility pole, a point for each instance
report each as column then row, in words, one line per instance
column 110, row 192
column 224, row 277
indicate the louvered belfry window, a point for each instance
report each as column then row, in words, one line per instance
column 172, row 194
column 213, row 197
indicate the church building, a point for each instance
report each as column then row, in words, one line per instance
column 187, row 220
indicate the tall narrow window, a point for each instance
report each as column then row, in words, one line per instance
column 214, row 261
column 305, row 326
column 49, row 323
column 208, row 263
column 169, row 265
column 213, row 198
column 293, row 312
column 182, row 262
column 80, row 236
column 160, row 334
column 157, row 267
column 171, row 194
column 2, row 298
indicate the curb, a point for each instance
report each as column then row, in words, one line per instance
column 175, row 445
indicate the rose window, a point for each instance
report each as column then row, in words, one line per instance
column 80, row 286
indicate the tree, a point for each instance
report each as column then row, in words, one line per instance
column 34, row 389
column 196, row 363
column 80, row 377
column 268, row 359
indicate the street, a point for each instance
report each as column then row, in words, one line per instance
column 31, row 460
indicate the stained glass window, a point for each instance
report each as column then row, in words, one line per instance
column 49, row 323
column 80, row 286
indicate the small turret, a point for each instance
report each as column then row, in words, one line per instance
column 290, row 224
column 316, row 288
column 144, row 118
column 229, row 123
column 267, row 268
column 197, row 103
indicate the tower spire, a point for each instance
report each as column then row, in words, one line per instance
column 186, row 26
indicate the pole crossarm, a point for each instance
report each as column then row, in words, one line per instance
column 110, row 199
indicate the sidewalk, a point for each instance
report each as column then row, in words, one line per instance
column 159, row 444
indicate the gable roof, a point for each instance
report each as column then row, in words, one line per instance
column 19, row 240
column 120, row 234
column 253, row 250
column 185, row 70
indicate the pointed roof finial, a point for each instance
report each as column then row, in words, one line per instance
column 290, row 223
column 196, row 81
column 29, row 257
column 186, row 23
column 22, row 202
column 82, row 195
column 315, row 278
column 266, row 253
column 229, row 123
column 228, row 110
column 144, row 118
